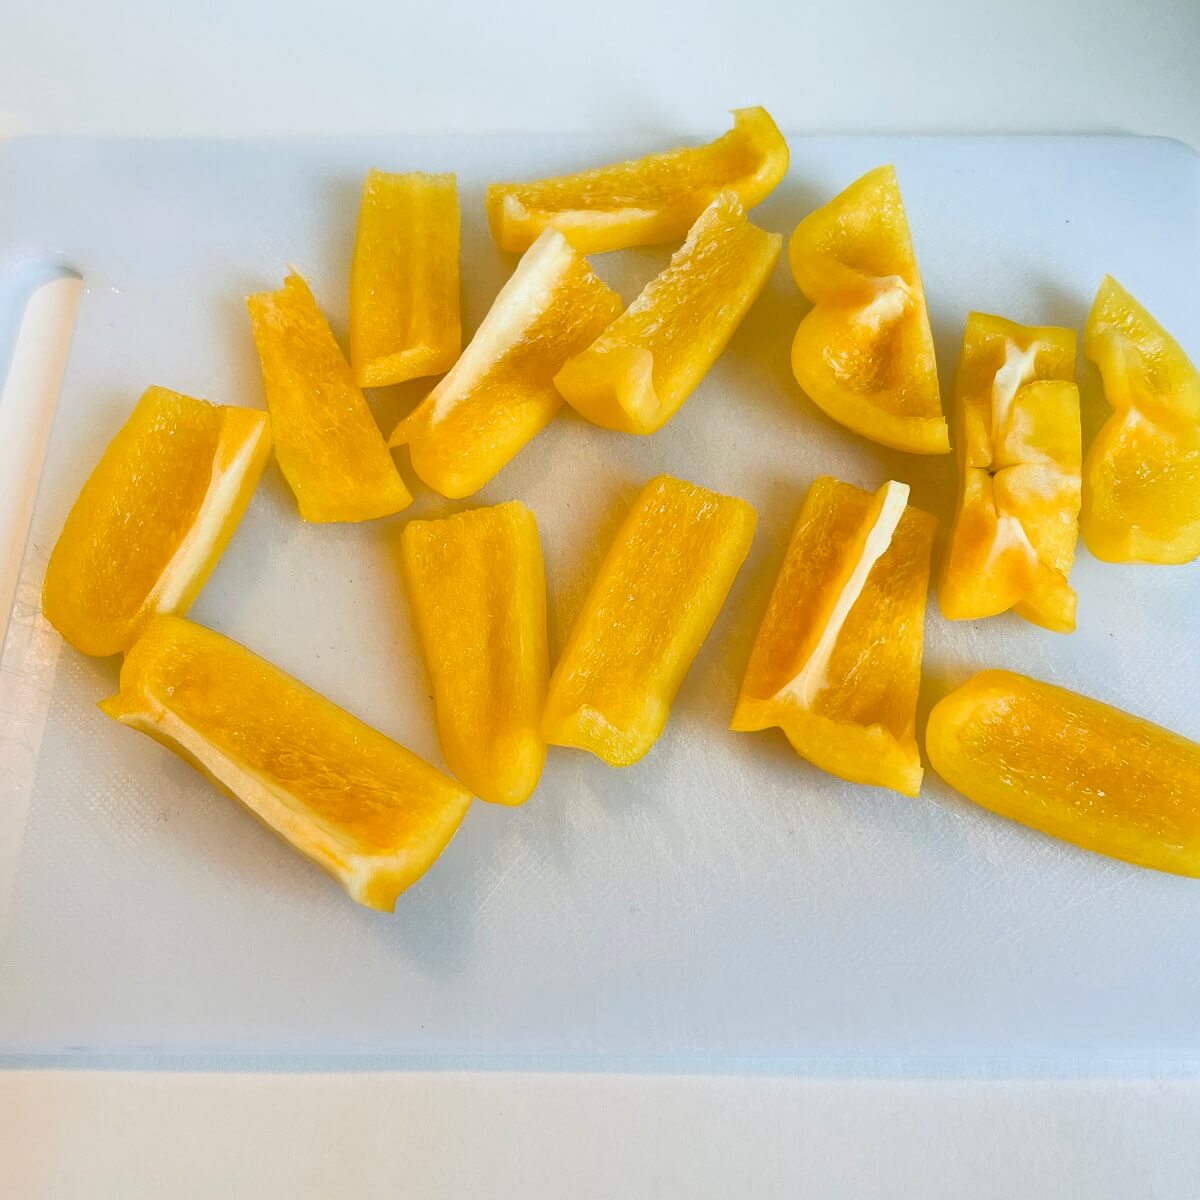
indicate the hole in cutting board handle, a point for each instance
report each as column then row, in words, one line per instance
column 39, row 300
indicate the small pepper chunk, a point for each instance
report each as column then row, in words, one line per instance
column 1141, row 476
column 372, row 814
column 1071, row 767
column 328, row 445
column 648, row 611
column 501, row 394
column 647, row 200
column 1014, row 534
column 636, row 375
column 864, row 354
column 477, row 588
column 404, row 281
column 153, row 518
column 837, row 661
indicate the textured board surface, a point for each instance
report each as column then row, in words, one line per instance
column 721, row 898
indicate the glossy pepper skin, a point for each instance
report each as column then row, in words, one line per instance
column 501, row 394
column 477, row 587
column 837, row 661
column 328, row 445
column 864, row 354
column 1018, row 442
column 404, row 280
column 1141, row 476
column 649, row 609
column 360, row 806
column 644, row 201
column 153, row 518
column 637, row 374
column 1071, row 767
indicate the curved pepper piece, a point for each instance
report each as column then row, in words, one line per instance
column 153, row 518
column 837, row 661
column 1014, row 534
column 404, row 285
column 864, row 354
column 648, row 611
column 478, row 592
column 1141, row 476
column 372, row 814
column 1071, row 767
column 328, row 445
column 636, row 375
column 500, row 394
column 646, row 200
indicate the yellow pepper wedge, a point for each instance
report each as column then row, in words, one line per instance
column 366, row 810
column 1018, row 438
column 645, row 617
column 1141, row 476
column 637, row 374
column 328, row 445
column 864, row 354
column 501, row 394
column 1071, row 767
column 153, row 518
column 477, row 587
column 837, row 661
column 404, row 280
column 646, row 200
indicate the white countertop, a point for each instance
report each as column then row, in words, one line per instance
column 138, row 67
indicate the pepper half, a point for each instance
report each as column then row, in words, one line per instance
column 477, row 588
column 636, row 375
column 1071, row 767
column 501, row 394
column 1141, row 476
column 649, row 609
column 647, row 200
column 837, row 661
column 864, row 354
column 404, row 280
column 1014, row 534
column 328, row 445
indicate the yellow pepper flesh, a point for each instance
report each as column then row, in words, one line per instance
column 1071, row 767
column 837, row 661
column 328, row 445
column 404, row 281
column 1141, row 476
column 500, row 394
column 636, row 375
column 645, row 617
column 647, row 200
column 368, row 811
column 477, row 587
column 1014, row 534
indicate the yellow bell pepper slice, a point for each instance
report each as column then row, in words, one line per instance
column 501, row 394
column 837, row 661
column 372, row 814
column 864, row 354
column 648, row 611
column 647, row 200
column 404, row 280
column 1141, row 476
column 153, row 518
column 1014, row 534
column 477, row 588
column 636, row 375
column 328, row 445
column 1071, row 767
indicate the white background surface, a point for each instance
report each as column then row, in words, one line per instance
column 254, row 67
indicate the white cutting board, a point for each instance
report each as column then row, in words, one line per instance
column 722, row 898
